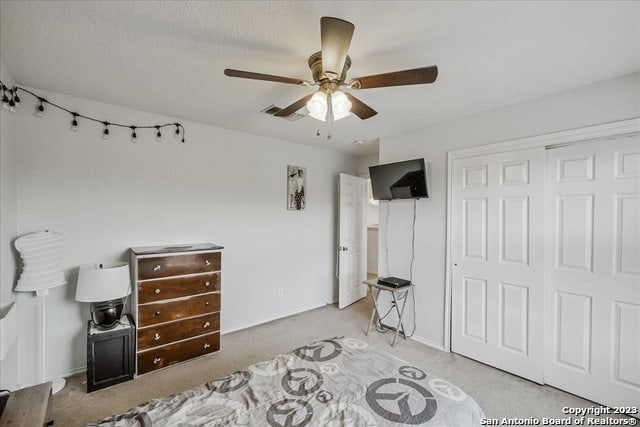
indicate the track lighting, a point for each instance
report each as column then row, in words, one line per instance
column 158, row 134
column 74, row 122
column 177, row 132
column 105, row 132
column 134, row 135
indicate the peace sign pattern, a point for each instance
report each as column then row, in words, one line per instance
column 327, row 383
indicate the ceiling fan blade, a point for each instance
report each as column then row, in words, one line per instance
column 267, row 77
column 335, row 37
column 416, row 76
column 359, row 108
column 289, row 110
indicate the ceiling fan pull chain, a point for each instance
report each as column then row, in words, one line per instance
column 329, row 115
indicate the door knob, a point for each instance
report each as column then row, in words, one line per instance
column 156, row 360
column 206, row 325
column 207, row 345
column 157, row 268
column 207, row 262
column 156, row 337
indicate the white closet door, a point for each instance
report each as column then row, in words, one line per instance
column 592, row 294
column 497, row 253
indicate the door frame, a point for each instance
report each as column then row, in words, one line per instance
column 554, row 139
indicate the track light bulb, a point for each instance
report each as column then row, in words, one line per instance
column 40, row 112
column 134, row 135
column 74, row 123
column 177, row 133
column 105, row 132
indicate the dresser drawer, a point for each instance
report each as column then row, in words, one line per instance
column 161, row 357
column 176, row 265
column 162, row 289
column 167, row 333
column 159, row 312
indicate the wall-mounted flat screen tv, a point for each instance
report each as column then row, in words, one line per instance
column 401, row 180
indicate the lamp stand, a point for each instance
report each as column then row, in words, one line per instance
column 57, row 383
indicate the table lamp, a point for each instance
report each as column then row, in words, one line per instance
column 104, row 285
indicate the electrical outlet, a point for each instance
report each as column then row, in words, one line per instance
column 280, row 292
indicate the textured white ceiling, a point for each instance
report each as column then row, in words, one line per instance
column 168, row 57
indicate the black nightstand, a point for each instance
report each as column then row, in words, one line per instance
column 110, row 354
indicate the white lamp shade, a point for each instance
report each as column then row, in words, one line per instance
column 103, row 282
column 317, row 106
column 340, row 105
column 41, row 253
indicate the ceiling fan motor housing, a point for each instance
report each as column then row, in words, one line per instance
column 315, row 63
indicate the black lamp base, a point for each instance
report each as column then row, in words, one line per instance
column 106, row 314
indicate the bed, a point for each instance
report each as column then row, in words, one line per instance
column 333, row 382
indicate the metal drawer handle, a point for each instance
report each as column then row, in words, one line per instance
column 206, row 324
column 207, row 345
column 156, row 360
column 156, row 337
column 207, row 262
column 206, row 303
column 207, row 283
column 157, row 313
column 157, row 291
column 157, row 267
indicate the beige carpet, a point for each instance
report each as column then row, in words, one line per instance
column 499, row 394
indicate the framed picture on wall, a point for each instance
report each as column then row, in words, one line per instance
column 296, row 188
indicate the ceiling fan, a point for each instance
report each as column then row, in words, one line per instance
column 329, row 69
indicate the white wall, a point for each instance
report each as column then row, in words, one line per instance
column 8, row 227
column 222, row 186
column 608, row 101
column 365, row 161
column 363, row 170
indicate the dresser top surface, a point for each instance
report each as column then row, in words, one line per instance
column 145, row 250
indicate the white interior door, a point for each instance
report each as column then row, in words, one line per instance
column 497, row 252
column 592, row 295
column 352, row 245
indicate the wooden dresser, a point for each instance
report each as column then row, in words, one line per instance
column 175, row 303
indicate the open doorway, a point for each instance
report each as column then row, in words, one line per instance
column 372, row 233
column 364, row 163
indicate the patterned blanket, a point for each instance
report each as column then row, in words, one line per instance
column 333, row 382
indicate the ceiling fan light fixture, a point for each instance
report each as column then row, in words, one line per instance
column 317, row 106
column 340, row 105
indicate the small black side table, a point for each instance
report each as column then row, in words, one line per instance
column 110, row 354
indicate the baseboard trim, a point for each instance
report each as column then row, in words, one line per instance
column 262, row 322
column 81, row 369
column 68, row 373
column 429, row 343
